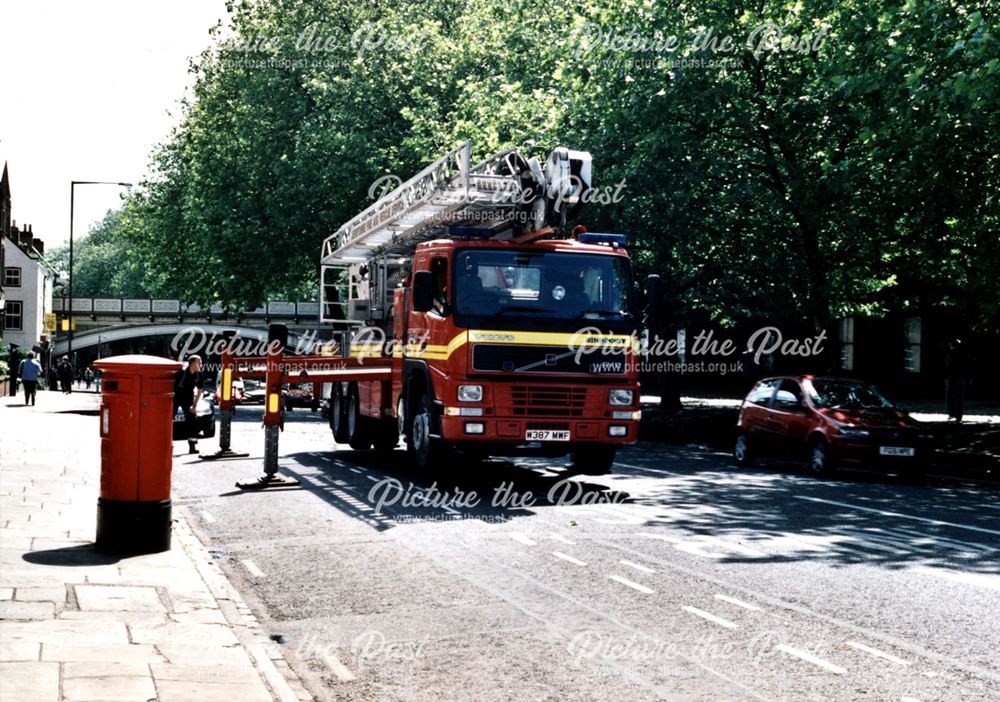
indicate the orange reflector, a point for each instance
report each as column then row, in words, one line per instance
column 227, row 384
column 273, row 402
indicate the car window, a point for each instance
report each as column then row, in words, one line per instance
column 788, row 396
column 844, row 394
column 761, row 393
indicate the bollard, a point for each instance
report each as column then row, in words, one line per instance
column 226, row 403
column 136, row 416
column 274, row 419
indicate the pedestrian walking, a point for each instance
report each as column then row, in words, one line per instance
column 957, row 379
column 29, row 370
column 65, row 376
column 88, row 377
column 188, row 384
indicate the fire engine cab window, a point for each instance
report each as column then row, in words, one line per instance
column 439, row 267
column 510, row 285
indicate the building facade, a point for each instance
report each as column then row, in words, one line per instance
column 27, row 281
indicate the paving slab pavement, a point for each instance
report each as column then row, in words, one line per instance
column 76, row 624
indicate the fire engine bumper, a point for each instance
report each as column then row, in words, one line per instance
column 549, row 433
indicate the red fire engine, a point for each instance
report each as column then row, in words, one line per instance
column 501, row 339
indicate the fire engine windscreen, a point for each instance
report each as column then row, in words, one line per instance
column 542, row 290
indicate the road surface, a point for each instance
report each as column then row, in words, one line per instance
column 678, row 577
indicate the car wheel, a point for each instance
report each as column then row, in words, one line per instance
column 338, row 414
column 820, row 460
column 741, row 450
column 594, row 460
column 427, row 451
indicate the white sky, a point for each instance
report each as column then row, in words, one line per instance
column 86, row 89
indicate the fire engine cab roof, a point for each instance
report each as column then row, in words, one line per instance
column 563, row 245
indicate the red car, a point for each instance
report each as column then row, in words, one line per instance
column 829, row 422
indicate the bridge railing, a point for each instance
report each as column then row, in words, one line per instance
column 128, row 307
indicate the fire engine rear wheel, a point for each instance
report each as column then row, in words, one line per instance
column 427, row 452
column 338, row 414
column 358, row 426
column 594, row 460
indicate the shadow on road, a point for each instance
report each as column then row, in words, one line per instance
column 492, row 490
column 856, row 518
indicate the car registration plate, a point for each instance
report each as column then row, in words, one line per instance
column 545, row 435
column 896, row 451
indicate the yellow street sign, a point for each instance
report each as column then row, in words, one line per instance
column 50, row 321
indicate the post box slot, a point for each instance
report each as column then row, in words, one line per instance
column 111, row 386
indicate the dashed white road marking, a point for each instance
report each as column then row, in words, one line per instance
column 207, row 516
column 372, row 478
column 648, row 470
column 342, row 672
column 637, row 566
column 562, row 539
column 877, row 653
column 252, row 567
column 709, row 616
column 569, row 558
column 356, row 470
column 738, row 603
column 810, row 658
column 936, row 522
column 629, row 583
column 522, row 538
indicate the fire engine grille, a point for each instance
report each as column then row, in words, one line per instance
column 547, row 401
column 548, row 426
column 546, row 359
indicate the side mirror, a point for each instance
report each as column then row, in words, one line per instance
column 423, row 291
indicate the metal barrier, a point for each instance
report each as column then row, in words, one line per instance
column 276, row 369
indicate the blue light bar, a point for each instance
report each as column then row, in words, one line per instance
column 595, row 238
column 471, row 232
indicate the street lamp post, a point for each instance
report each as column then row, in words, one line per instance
column 69, row 312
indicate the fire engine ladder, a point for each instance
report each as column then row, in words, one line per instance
column 448, row 193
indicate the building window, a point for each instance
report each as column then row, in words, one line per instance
column 912, row 329
column 847, row 343
column 12, row 277
column 13, row 316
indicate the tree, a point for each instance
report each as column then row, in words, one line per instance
column 103, row 264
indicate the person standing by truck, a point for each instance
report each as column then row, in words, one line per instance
column 188, row 384
column 29, row 370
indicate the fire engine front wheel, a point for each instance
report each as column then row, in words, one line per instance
column 594, row 460
column 427, row 452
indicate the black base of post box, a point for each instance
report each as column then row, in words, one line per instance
column 133, row 527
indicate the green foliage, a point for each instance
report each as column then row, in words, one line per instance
column 104, row 264
column 856, row 171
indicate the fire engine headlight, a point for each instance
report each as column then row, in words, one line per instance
column 617, row 431
column 463, row 411
column 470, row 393
column 626, row 414
column 475, row 428
column 619, row 396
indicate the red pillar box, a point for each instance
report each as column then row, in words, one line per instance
column 136, row 420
